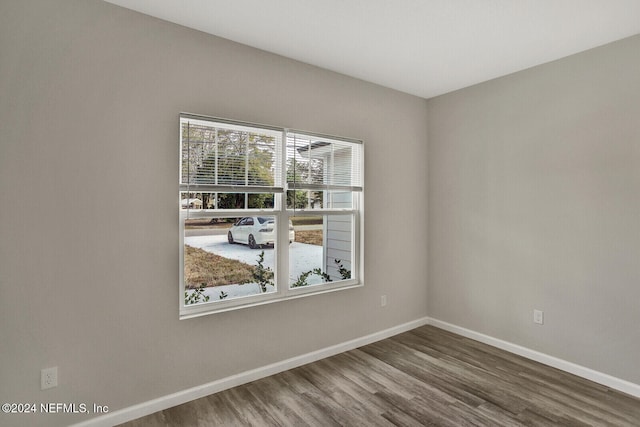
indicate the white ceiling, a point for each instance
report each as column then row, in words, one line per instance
column 422, row 47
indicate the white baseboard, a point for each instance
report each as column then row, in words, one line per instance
column 165, row 402
column 595, row 376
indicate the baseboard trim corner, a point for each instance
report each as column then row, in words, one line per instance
column 146, row 408
column 572, row 368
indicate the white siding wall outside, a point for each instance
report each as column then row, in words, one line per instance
column 337, row 244
column 338, row 231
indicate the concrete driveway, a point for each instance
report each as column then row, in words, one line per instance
column 302, row 257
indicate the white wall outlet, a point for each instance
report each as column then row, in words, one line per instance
column 49, row 378
column 383, row 300
column 538, row 317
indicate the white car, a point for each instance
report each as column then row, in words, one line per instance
column 256, row 231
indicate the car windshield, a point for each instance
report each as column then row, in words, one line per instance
column 262, row 219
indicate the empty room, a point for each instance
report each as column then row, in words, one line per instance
column 273, row 213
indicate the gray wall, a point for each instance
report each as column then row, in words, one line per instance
column 89, row 101
column 534, row 202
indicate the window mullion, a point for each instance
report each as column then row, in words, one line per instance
column 215, row 166
column 282, row 243
column 246, row 170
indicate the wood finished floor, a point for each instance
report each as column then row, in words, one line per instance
column 423, row 377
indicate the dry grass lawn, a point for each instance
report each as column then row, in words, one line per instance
column 206, row 223
column 310, row 237
column 201, row 267
column 306, row 220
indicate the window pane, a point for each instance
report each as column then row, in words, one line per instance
column 321, row 252
column 218, row 154
column 321, row 161
column 201, row 200
column 309, row 199
column 227, row 258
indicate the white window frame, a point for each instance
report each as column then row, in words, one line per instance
column 282, row 216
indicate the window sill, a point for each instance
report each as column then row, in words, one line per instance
column 204, row 309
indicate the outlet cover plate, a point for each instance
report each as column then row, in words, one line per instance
column 538, row 317
column 49, row 378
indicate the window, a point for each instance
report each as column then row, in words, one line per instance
column 266, row 214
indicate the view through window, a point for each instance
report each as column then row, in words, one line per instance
column 265, row 213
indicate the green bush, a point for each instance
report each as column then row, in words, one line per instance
column 196, row 296
column 302, row 278
column 262, row 274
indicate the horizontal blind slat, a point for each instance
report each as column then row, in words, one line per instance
column 230, row 155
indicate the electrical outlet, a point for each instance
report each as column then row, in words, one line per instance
column 49, row 378
column 538, row 317
column 383, row 300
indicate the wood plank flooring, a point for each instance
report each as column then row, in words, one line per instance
column 425, row 377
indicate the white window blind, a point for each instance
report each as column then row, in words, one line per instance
column 225, row 156
column 321, row 163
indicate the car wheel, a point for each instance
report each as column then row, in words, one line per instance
column 252, row 242
column 230, row 238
